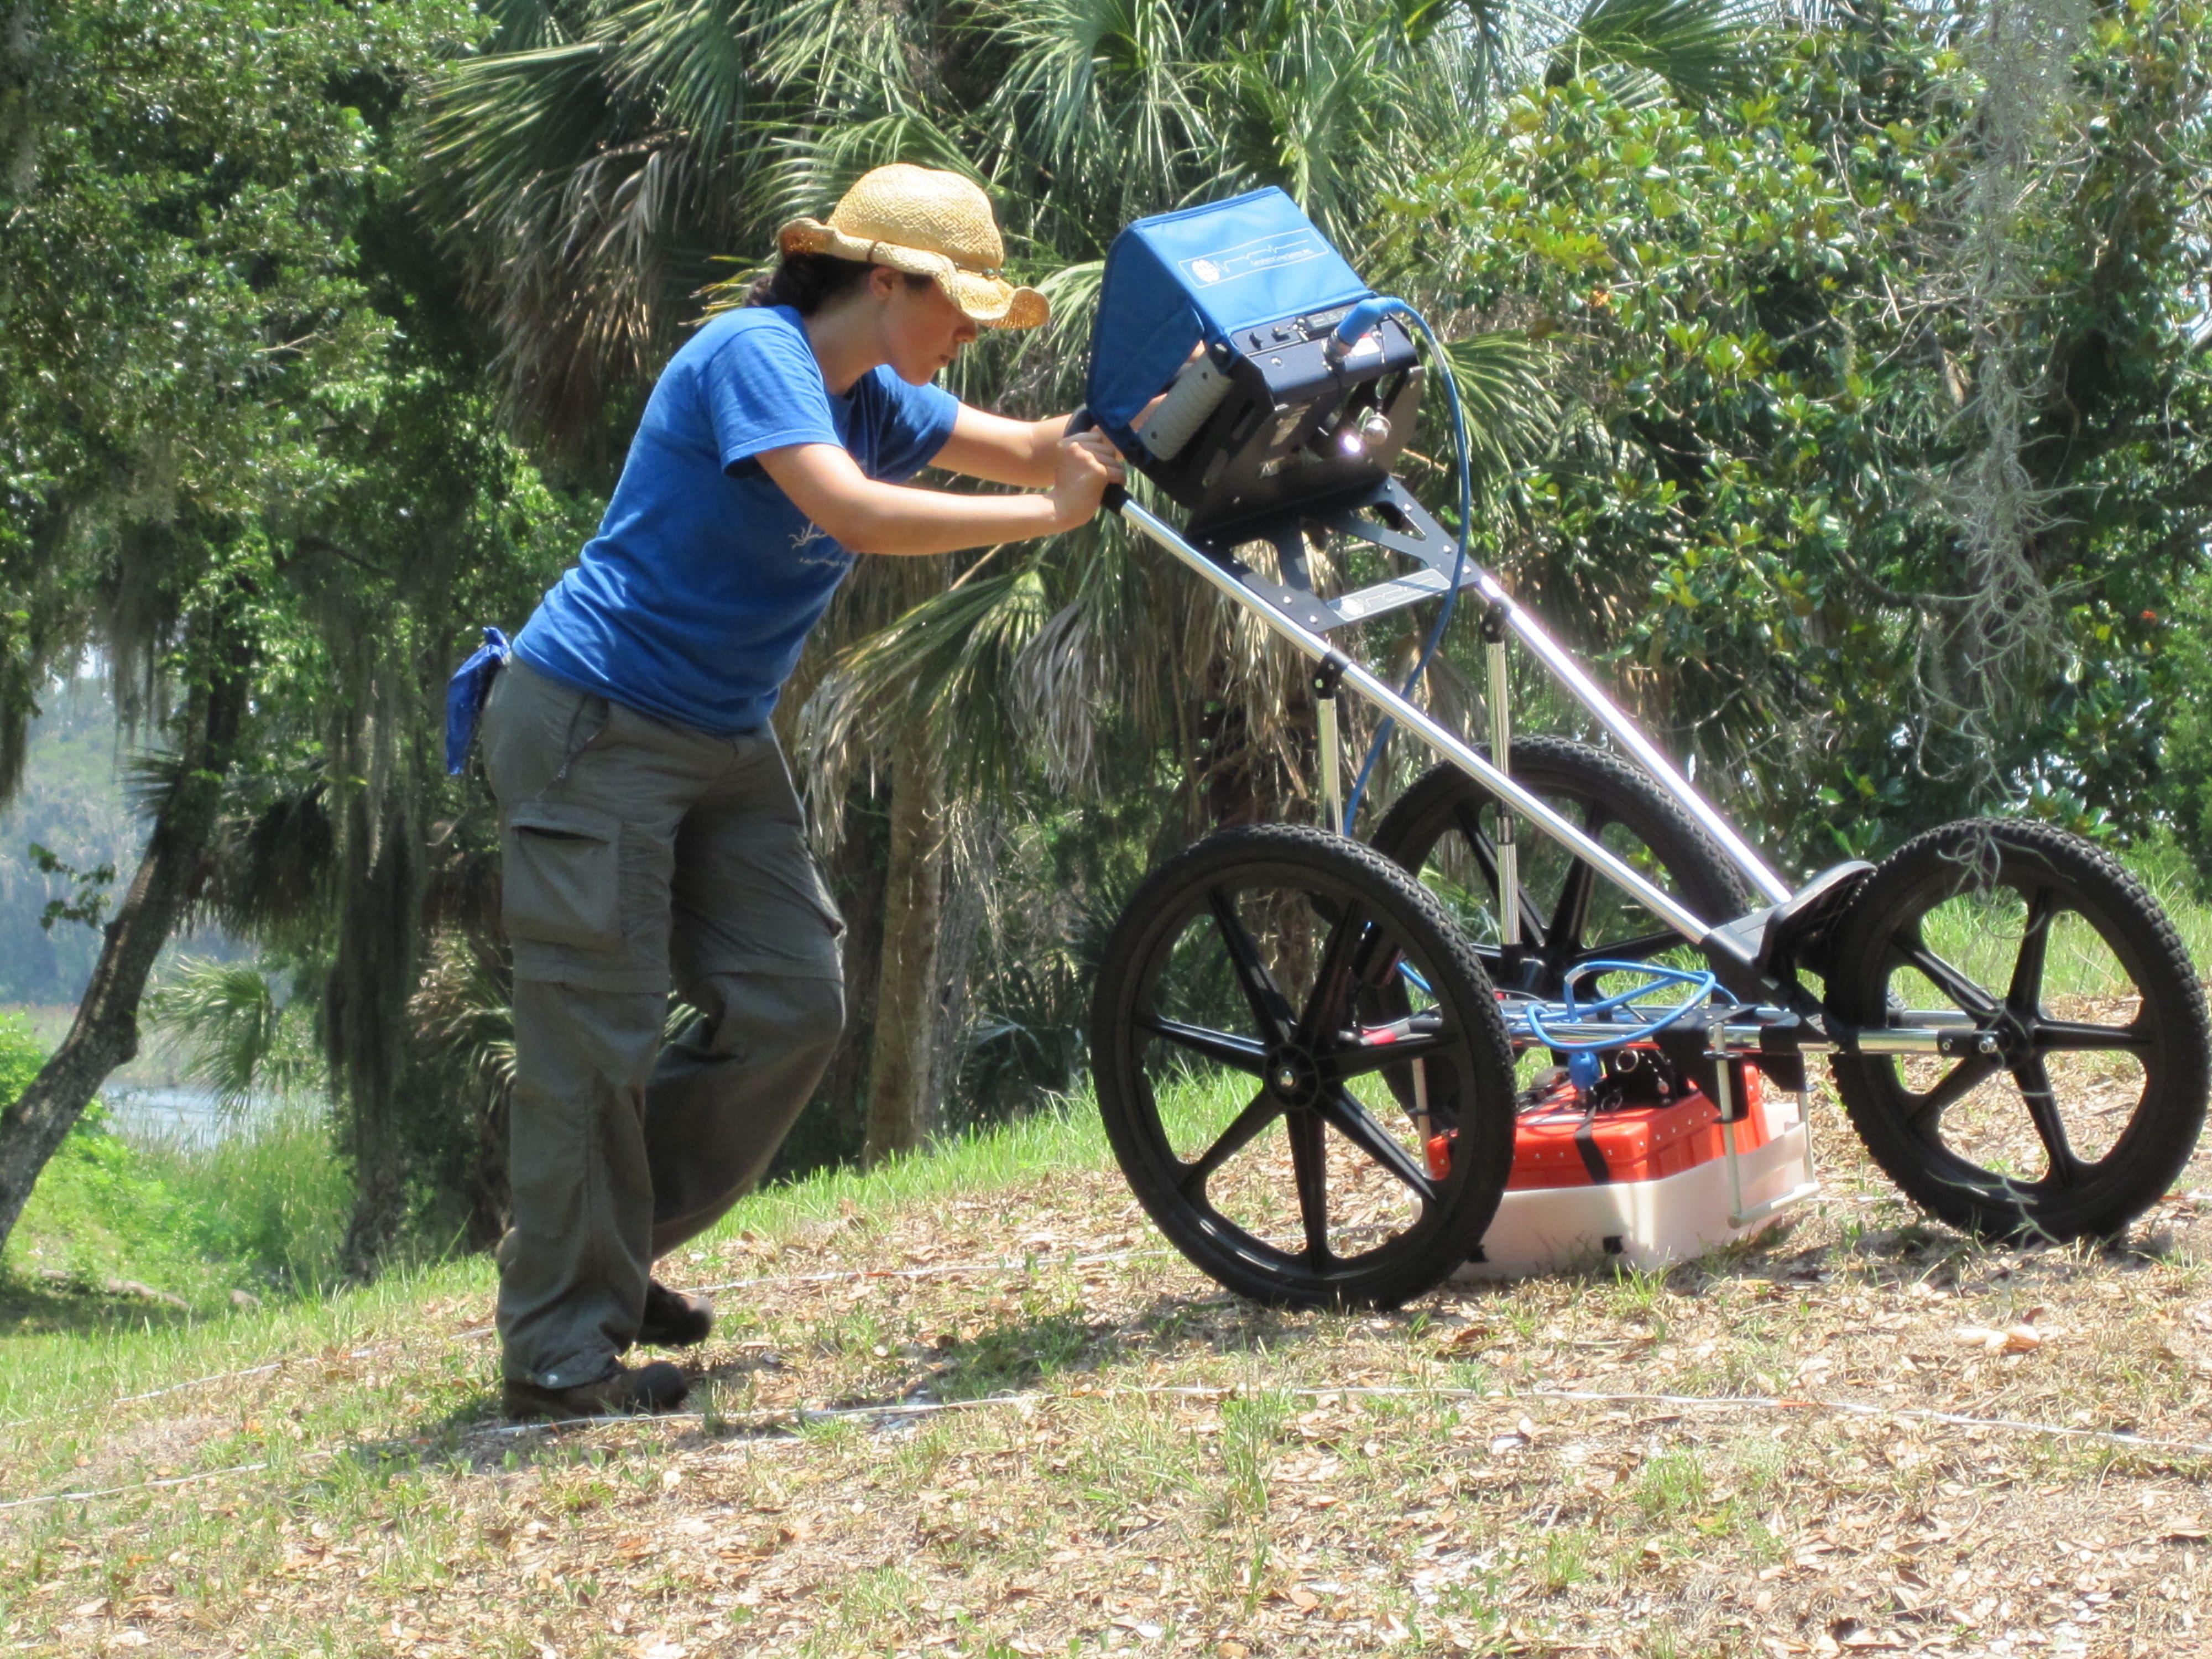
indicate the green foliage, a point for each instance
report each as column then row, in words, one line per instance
column 264, row 1209
column 599, row 162
column 252, row 445
column 175, row 293
column 241, row 1040
column 1764, row 503
column 2185, row 788
column 97, row 1207
column 99, row 1213
column 21, row 1056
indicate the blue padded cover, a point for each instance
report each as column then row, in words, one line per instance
column 1203, row 273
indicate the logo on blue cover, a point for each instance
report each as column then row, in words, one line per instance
column 1251, row 258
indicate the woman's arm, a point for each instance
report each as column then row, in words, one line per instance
column 1000, row 451
column 868, row 516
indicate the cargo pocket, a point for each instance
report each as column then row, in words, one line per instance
column 563, row 878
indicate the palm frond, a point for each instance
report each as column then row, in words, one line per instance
column 804, row 173
column 1048, row 363
column 227, row 1018
column 1505, row 397
column 497, row 130
column 829, row 51
column 1098, row 96
column 691, row 61
column 952, row 661
column 462, row 1013
column 523, row 26
column 1700, row 50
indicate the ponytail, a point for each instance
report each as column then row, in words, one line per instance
column 807, row 282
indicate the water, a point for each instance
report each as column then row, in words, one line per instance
column 181, row 1114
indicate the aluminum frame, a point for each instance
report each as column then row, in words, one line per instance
column 1744, row 1029
column 1741, row 1030
column 1679, row 916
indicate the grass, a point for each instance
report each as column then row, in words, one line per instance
column 1982, row 937
column 262, row 1214
column 1133, row 1461
column 1069, row 1441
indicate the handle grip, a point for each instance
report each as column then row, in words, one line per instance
column 1081, row 421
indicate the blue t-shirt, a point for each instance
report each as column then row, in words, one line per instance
column 693, row 601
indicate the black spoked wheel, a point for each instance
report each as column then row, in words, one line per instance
column 1246, row 1082
column 2076, row 1087
column 1444, row 830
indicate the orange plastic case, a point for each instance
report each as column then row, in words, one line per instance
column 1558, row 1144
column 1640, row 1186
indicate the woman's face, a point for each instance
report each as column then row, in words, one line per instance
column 922, row 329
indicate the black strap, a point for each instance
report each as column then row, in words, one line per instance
column 1600, row 1172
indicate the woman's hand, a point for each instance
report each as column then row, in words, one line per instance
column 1085, row 464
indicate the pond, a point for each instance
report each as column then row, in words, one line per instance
column 181, row 1114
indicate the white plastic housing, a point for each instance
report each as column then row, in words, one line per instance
column 1653, row 1223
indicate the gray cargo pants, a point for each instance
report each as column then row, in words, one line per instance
column 634, row 848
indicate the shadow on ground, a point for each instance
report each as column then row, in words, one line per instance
column 69, row 1307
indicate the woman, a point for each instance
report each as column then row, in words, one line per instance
column 649, row 827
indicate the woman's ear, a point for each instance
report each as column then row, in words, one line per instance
column 883, row 282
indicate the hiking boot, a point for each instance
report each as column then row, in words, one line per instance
column 672, row 1318
column 623, row 1391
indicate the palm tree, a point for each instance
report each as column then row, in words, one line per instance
column 596, row 161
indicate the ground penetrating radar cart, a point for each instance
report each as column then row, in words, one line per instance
column 1306, row 1046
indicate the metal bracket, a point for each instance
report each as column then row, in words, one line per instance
column 1724, row 1088
column 1400, row 524
column 1765, row 934
column 1328, row 673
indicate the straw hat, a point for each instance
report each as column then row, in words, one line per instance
column 929, row 223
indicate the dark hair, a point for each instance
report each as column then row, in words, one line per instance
column 807, row 282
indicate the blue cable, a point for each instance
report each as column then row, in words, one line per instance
column 1705, row 983
column 1356, row 323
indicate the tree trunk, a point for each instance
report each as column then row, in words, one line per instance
column 375, row 971
column 959, row 926
column 834, row 1129
column 900, row 1104
column 18, row 133
column 105, row 1033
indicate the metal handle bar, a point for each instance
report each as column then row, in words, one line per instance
column 1677, row 915
column 1615, row 719
column 1572, row 674
column 1748, row 1038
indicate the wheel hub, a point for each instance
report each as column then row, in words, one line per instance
column 1293, row 1077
